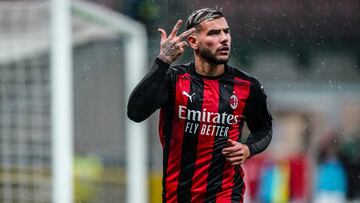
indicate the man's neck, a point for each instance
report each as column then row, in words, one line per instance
column 205, row 68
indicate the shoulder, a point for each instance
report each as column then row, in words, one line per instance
column 172, row 69
column 242, row 75
column 179, row 69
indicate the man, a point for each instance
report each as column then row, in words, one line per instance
column 203, row 109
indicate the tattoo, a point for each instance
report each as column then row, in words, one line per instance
column 169, row 49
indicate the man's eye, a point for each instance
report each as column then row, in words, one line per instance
column 212, row 33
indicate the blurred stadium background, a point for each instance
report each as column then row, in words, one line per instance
column 306, row 53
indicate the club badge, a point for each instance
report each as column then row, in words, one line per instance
column 234, row 101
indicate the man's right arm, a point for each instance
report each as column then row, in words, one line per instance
column 150, row 93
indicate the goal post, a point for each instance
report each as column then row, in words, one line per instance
column 67, row 68
column 61, row 77
column 135, row 68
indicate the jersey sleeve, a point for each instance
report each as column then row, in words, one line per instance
column 258, row 119
column 150, row 93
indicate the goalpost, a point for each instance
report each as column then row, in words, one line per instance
column 61, row 78
column 36, row 96
column 135, row 69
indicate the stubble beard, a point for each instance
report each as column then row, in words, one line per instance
column 211, row 58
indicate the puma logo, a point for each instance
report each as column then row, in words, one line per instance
column 187, row 95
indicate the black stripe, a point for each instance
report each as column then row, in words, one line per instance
column 237, row 192
column 241, row 127
column 167, row 128
column 214, row 181
column 190, row 142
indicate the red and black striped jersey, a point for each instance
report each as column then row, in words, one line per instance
column 198, row 115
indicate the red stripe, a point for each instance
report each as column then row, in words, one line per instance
column 225, row 195
column 205, row 142
column 241, row 90
column 176, row 142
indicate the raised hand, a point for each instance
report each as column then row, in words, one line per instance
column 172, row 47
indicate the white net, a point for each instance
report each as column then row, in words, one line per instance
column 24, row 103
column 99, row 103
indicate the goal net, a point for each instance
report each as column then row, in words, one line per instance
column 103, row 45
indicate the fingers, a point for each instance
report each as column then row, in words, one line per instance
column 235, row 158
column 174, row 32
column 232, row 147
column 171, row 47
column 182, row 44
column 176, row 28
column 235, row 152
column 239, row 152
column 162, row 34
column 186, row 33
column 231, row 142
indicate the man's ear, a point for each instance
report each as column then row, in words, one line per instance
column 192, row 40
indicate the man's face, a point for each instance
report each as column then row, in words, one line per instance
column 214, row 41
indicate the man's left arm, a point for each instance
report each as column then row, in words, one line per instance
column 259, row 122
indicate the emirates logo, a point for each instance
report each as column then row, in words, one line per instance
column 234, row 101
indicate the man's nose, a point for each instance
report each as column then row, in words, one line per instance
column 224, row 37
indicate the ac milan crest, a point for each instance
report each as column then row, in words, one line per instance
column 234, row 101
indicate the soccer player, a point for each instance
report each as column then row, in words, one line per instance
column 203, row 105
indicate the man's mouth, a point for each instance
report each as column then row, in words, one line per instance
column 224, row 49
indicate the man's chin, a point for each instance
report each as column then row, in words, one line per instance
column 222, row 60
column 215, row 59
